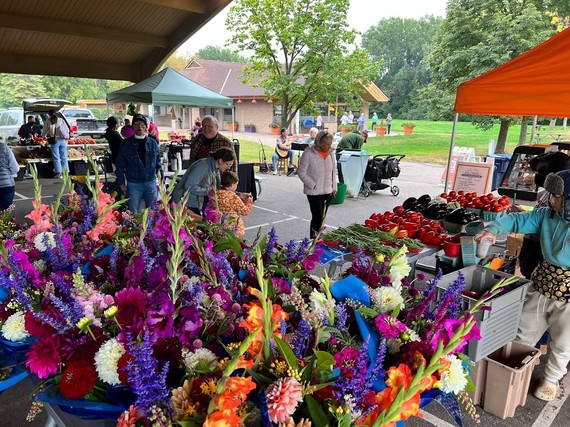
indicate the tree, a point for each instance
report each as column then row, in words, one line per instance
column 477, row 36
column 217, row 53
column 300, row 51
column 14, row 88
column 401, row 46
column 177, row 62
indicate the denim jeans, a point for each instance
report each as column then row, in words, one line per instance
column 138, row 191
column 275, row 159
column 6, row 196
column 59, row 154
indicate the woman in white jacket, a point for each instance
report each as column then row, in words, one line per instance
column 317, row 170
column 8, row 168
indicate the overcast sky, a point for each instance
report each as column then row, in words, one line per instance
column 362, row 15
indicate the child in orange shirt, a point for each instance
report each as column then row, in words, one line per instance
column 232, row 206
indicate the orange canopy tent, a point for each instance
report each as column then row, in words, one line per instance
column 536, row 83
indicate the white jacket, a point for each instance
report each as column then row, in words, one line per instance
column 318, row 175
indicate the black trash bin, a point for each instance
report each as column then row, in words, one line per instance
column 501, row 165
column 235, row 142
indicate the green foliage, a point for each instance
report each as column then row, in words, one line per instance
column 221, row 54
column 16, row 87
column 401, row 46
column 301, row 51
column 12, row 86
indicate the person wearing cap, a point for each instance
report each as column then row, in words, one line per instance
column 29, row 129
column 138, row 162
column 210, row 140
column 351, row 141
column 547, row 303
column 282, row 150
column 56, row 131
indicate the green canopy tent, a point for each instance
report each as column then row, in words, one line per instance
column 169, row 88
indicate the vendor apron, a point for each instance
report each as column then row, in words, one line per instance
column 552, row 281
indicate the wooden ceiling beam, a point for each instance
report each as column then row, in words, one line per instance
column 27, row 23
column 52, row 66
column 194, row 6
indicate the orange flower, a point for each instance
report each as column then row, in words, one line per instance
column 235, row 393
column 224, row 418
column 254, row 321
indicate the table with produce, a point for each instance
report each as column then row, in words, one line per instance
column 425, row 225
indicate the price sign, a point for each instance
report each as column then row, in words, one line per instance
column 473, row 177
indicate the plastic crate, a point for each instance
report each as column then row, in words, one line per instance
column 507, row 376
column 80, row 167
column 498, row 325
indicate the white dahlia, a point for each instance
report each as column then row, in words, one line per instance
column 14, row 328
column 106, row 360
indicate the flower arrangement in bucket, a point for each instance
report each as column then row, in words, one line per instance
column 156, row 316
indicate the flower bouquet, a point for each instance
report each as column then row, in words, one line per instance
column 195, row 327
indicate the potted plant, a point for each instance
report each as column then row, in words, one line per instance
column 274, row 128
column 380, row 128
column 408, row 128
column 233, row 126
column 249, row 127
column 344, row 129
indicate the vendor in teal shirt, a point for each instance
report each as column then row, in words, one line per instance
column 547, row 303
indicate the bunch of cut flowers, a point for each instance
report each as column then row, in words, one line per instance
column 158, row 319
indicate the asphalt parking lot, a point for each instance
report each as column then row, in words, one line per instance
column 283, row 206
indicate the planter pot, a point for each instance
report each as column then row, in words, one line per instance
column 408, row 130
column 249, row 129
column 233, row 127
column 274, row 131
column 380, row 130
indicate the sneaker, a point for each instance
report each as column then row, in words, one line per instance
column 57, row 176
column 546, row 390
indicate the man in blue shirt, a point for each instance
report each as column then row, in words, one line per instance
column 138, row 162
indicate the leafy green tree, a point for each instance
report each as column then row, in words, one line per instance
column 14, row 88
column 301, row 51
column 477, row 36
column 401, row 46
column 177, row 62
column 221, row 54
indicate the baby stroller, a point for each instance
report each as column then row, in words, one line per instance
column 379, row 167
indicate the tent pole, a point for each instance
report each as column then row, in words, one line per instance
column 451, row 146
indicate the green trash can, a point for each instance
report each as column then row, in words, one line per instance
column 338, row 199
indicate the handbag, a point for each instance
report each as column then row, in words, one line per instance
column 51, row 140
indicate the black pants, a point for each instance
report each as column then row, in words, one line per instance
column 339, row 169
column 530, row 256
column 319, row 205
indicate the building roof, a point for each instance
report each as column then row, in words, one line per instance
column 219, row 76
column 106, row 39
column 224, row 78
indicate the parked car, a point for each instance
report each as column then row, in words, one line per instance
column 13, row 118
column 82, row 123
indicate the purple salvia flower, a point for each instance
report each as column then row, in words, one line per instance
column 301, row 338
column 147, row 259
column 71, row 311
column 271, row 244
column 149, row 384
column 377, row 371
column 454, row 292
column 341, row 317
column 114, row 257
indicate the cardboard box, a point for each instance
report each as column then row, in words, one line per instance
column 514, row 243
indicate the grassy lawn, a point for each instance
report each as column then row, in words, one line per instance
column 429, row 142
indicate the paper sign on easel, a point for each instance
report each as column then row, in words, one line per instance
column 459, row 154
column 473, row 177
